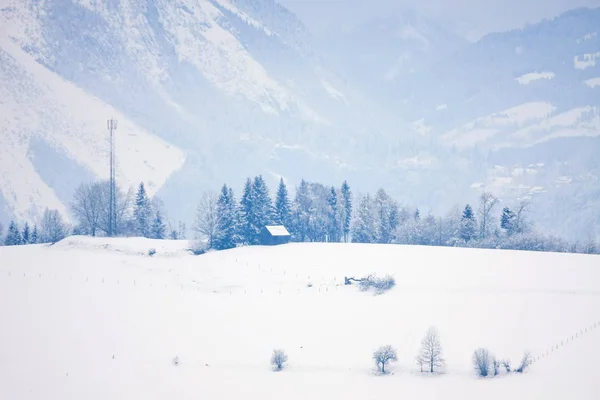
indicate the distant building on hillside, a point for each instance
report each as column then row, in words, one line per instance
column 274, row 235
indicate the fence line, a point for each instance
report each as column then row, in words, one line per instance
column 563, row 342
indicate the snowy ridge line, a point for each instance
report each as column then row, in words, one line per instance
column 563, row 342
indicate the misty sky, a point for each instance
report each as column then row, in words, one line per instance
column 469, row 17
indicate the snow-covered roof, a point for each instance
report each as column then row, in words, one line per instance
column 278, row 230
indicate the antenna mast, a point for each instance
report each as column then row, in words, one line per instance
column 111, row 124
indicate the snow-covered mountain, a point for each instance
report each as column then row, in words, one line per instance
column 211, row 91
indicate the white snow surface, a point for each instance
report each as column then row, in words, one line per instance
column 586, row 61
column 593, row 82
column 99, row 318
column 526, row 79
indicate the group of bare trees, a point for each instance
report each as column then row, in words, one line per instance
column 486, row 364
column 135, row 214
column 429, row 359
column 90, row 207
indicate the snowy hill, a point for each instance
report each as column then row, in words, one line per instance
column 195, row 84
column 99, row 318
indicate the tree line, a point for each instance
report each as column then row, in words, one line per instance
column 328, row 214
column 316, row 213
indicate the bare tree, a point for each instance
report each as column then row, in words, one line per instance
column 123, row 213
column 482, row 361
column 431, row 353
column 525, row 362
column 87, row 207
column 207, row 218
column 53, row 229
column 278, row 359
column 521, row 224
column 383, row 356
column 487, row 202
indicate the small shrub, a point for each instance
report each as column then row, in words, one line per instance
column 383, row 356
column 481, row 362
column 278, row 360
column 525, row 362
column 496, row 365
column 198, row 247
column 151, row 252
column 379, row 284
column 506, row 365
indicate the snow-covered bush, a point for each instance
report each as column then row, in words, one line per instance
column 383, row 356
column 198, row 247
column 379, row 284
column 152, row 252
column 278, row 359
column 175, row 361
column 506, row 365
column 481, row 362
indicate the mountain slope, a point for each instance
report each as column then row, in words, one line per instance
column 211, row 91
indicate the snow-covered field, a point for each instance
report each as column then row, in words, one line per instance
column 100, row 319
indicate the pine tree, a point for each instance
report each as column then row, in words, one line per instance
column 364, row 230
column 158, row 228
column 468, row 226
column 333, row 225
column 385, row 220
column 507, row 221
column 34, row 236
column 13, row 235
column 346, row 210
column 302, row 212
column 247, row 215
column 142, row 212
column 283, row 209
column 26, row 237
column 263, row 205
column 227, row 220
column 417, row 215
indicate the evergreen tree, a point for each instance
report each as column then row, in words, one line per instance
column 333, row 226
column 247, row 215
column 385, row 220
column 1, row 232
column 158, row 228
column 346, row 210
column 142, row 212
column 283, row 209
column 263, row 205
column 302, row 212
column 507, row 221
column 227, row 220
column 364, row 230
column 468, row 226
column 26, row 237
column 417, row 215
column 13, row 235
column 34, row 235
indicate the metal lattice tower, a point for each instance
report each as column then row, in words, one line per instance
column 111, row 124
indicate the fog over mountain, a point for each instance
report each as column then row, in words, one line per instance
column 213, row 91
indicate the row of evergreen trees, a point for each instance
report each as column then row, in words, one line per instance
column 52, row 229
column 319, row 214
column 314, row 215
